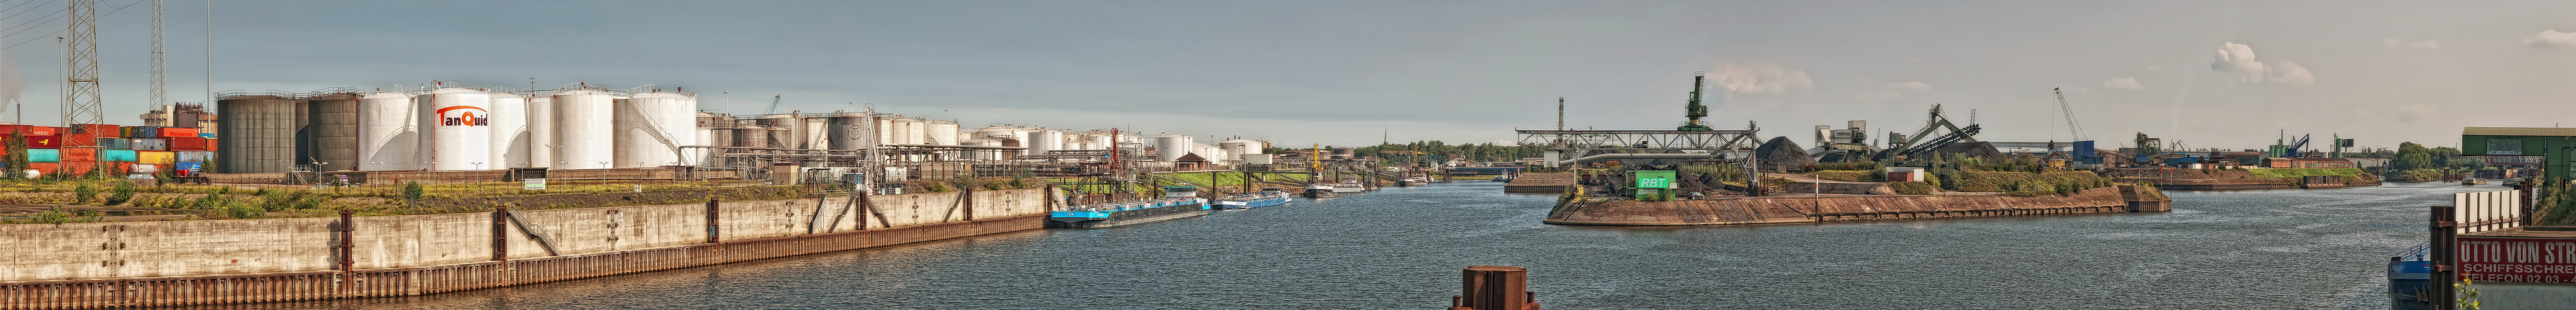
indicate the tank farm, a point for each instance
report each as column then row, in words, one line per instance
column 530, row 186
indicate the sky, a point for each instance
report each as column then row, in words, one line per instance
column 2222, row 74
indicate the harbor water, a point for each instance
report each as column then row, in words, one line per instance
column 1401, row 248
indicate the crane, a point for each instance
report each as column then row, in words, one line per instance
column 773, row 103
column 1694, row 110
column 2072, row 128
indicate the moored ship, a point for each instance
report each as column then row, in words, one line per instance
column 1183, row 203
column 1266, row 197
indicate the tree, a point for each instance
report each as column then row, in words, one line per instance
column 2411, row 156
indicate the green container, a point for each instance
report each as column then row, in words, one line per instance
column 44, row 155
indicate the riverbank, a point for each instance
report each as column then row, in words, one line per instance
column 1792, row 209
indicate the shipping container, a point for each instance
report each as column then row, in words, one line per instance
column 212, row 145
column 40, row 131
column 129, row 131
column 74, row 139
column 176, row 132
column 206, row 135
column 155, row 157
column 189, row 168
column 144, row 168
column 44, row 168
column 11, row 129
column 186, row 143
column 115, row 144
column 101, row 130
column 43, row 142
column 146, row 132
column 79, row 154
column 149, row 144
column 79, row 168
column 44, row 156
column 196, row 156
column 122, row 156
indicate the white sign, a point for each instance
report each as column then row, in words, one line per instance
column 532, row 184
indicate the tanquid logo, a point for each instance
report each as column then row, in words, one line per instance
column 464, row 118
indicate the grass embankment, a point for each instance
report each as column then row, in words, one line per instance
column 230, row 202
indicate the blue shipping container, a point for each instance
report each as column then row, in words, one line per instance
column 2083, row 149
column 115, row 144
column 44, row 155
column 191, row 166
column 121, row 156
column 206, row 135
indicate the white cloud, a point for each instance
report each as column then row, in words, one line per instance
column 1914, row 86
column 2123, row 83
column 1761, row 79
column 2389, row 42
column 2551, row 38
column 2291, row 73
column 2239, row 59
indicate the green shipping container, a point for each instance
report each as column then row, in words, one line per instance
column 44, row 155
column 122, row 156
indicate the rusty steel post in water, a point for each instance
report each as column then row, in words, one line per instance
column 501, row 233
column 2445, row 235
column 1495, row 288
column 714, row 228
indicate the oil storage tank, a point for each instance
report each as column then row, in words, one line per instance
column 651, row 128
column 1171, row 147
column 582, row 127
column 509, row 140
column 848, row 131
column 331, row 132
column 541, row 132
column 459, row 128
column 940, row 132
column 258, row 131
column 1041, row 141
column 388, row 132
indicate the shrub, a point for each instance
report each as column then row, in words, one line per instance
column 123, row 192
column 82, row 194
column 242, row 209
column 1913, row 188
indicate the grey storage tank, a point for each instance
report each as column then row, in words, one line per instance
column 331, row 132
column 258, row 132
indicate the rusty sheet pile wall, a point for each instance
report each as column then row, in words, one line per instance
column 130, row 264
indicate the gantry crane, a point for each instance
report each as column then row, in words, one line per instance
column 2075, row 130
column 1694, row 110
column 773, row 103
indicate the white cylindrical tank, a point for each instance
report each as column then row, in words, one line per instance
column 884, row 130
column 982, row 155
column 541, row 132
column 908, row 131
column 388, row 132
column 940, row 132
column 818, row 133
column 1240, row 146
column 1043, row 140
column 459, row 125
column 583, row 127
column 1100, row 141
column 1209, row 152
column 509, row 131
column 643, row 115
column 1171, row 147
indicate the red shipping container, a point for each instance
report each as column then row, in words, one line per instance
column 99, row 130
column 79, row 154
column 80, row 168
column 40, row 131
column 11, row 129
column 212, row 146
column 44, row 142
column 175, row 132
column 44, row 168
column 79, row 139
column 187, row 144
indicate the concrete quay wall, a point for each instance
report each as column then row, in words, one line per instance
column 127, row 264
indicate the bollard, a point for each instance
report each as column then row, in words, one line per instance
column 1495, row 288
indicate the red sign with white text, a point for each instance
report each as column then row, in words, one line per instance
column 2518, row 260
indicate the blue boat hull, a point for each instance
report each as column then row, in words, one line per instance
column 1104, row 219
